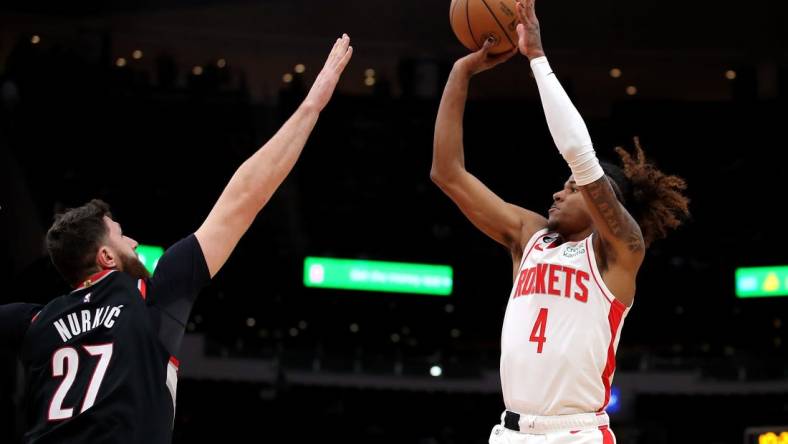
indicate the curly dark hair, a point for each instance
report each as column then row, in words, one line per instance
column 74, row 238
column 653, row 198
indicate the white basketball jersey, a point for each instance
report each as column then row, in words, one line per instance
column 560, row 332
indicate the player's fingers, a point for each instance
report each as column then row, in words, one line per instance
column 531, row 10
column 344, row 60
column 521, row 39
column 520, row 8
column 332, row 54
column 344, row 43
column 487, row 45
column 340, row 48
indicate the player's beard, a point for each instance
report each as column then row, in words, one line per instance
column 133, row 266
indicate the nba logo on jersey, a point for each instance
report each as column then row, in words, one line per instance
column 546, row 242
column 86, row 299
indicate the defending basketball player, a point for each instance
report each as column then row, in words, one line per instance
column 101, row 360
column 574, row 271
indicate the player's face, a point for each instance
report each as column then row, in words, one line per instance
column 569, row 212
column 124, row 247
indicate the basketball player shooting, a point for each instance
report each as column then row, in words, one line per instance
column 574, row 271
column 101, row 360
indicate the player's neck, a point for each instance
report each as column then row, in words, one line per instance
column 93, row 278
column 576, row 236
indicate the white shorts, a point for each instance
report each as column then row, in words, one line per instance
column 585, row 428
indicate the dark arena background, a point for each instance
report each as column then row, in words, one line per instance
column 152, row 105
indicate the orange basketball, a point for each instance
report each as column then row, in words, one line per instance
column 473, row 21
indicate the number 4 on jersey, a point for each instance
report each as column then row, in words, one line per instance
column 537, row 334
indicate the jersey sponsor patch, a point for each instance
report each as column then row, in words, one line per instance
column 574, row 250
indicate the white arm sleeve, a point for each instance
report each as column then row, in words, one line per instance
column 566, row 125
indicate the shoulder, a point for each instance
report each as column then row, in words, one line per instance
column 20, row 310
column 16, row 318
column 531, row 239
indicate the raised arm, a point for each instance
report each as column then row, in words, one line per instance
column 508, row 224
column 620, row 237
column 258, row 177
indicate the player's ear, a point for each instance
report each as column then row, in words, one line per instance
column 106, row 258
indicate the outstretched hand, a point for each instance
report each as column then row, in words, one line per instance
column 327, row 79
column 529, row 40
column 481, row 60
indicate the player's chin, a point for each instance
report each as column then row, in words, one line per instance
column 140, row 272
column 133, row 266
column 552, row 222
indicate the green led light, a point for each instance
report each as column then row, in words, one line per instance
column 758, row 282
column 394, row 277
column 149, row 255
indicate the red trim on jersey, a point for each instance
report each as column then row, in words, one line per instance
column 175, row 362
column 35, row 317
column 607, row 437
column 593, row 268
column 92, row 279
column 614, row 318
column 143, row 288
column 532, row 248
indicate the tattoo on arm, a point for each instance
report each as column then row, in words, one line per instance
column 620, row 223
